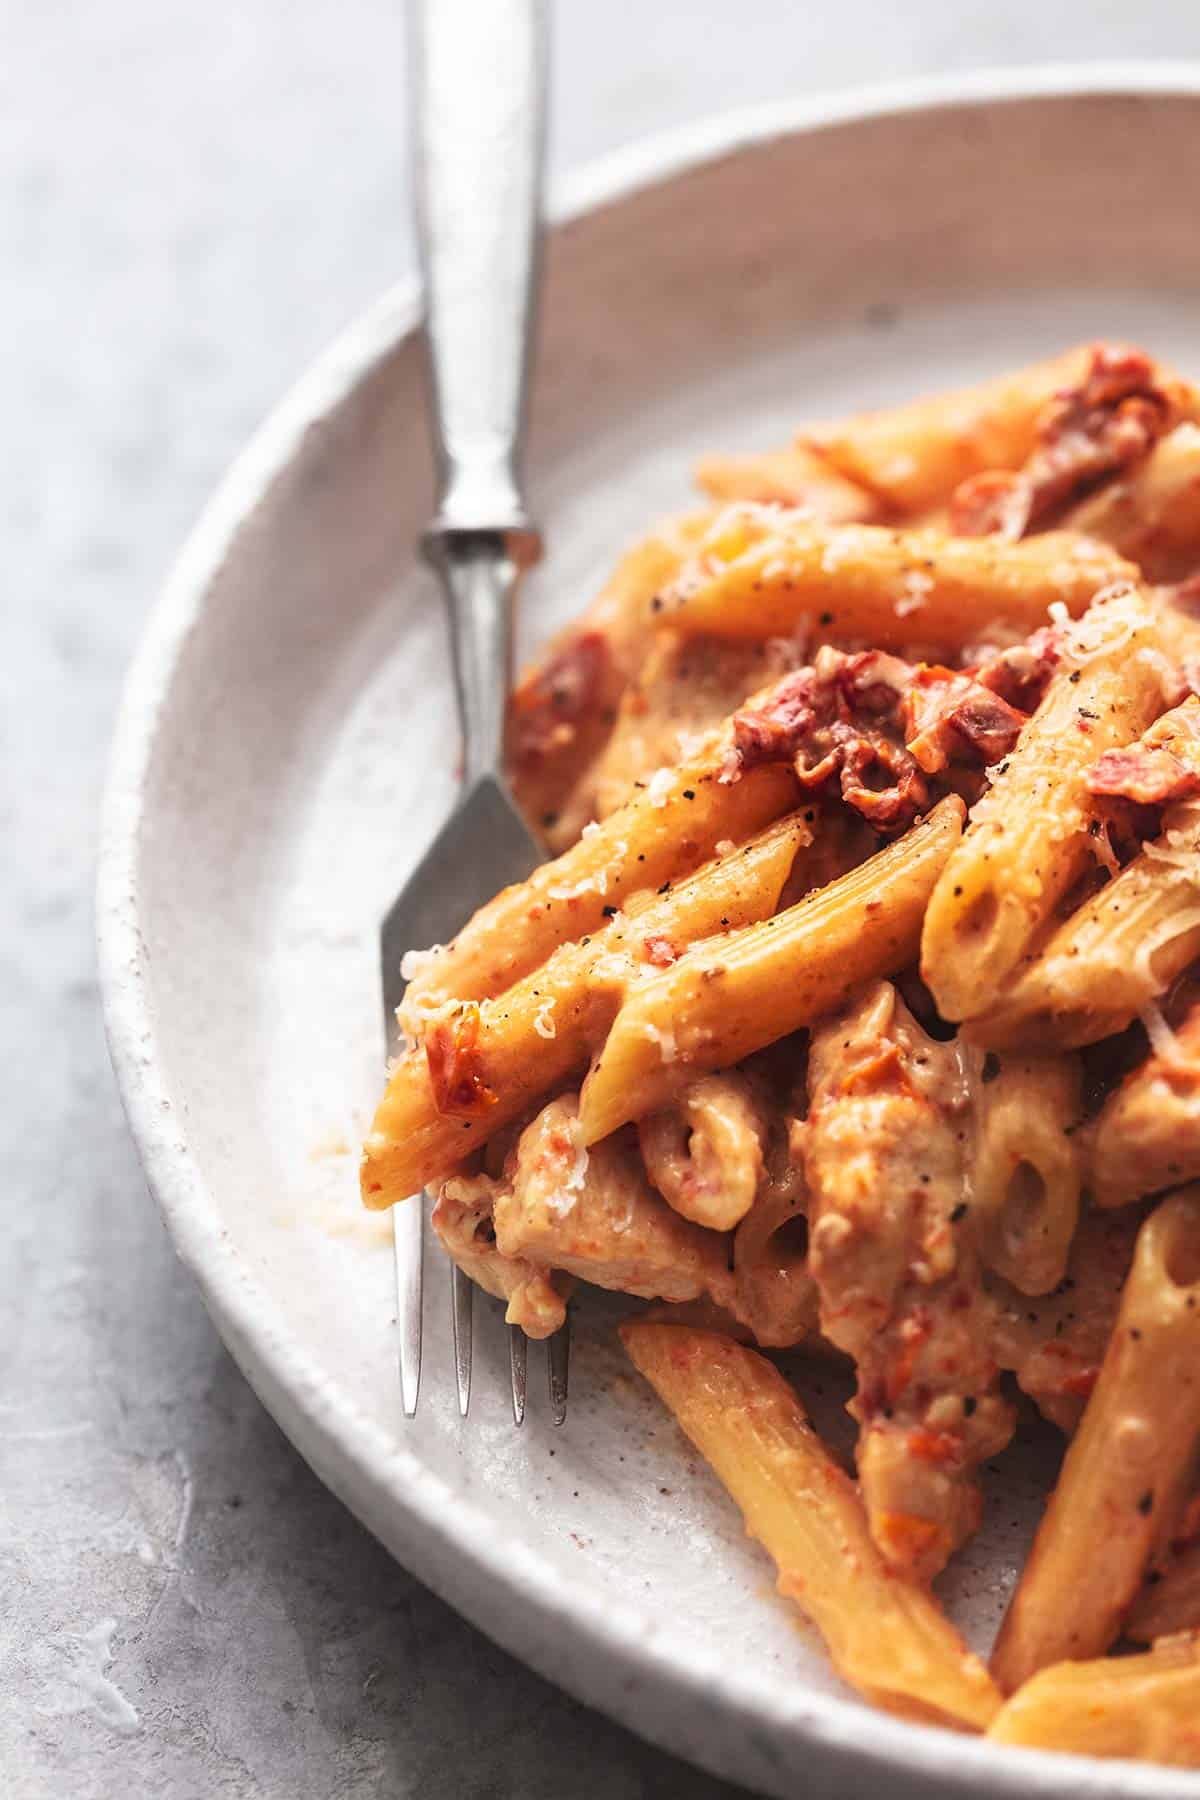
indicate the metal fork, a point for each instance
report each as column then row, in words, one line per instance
column 479, row 69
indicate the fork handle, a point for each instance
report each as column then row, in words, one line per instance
column 479, row 78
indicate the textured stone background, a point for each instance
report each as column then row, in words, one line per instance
column 193, row 199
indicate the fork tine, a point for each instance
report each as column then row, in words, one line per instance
column 407, row 1237
column 518, row 1352
column 557, row 1360
column 462, row 1293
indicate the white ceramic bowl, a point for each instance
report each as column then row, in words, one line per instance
column 287, row 744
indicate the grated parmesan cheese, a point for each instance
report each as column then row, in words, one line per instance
column 543, row 1022
column 1166, row 932
column 1163, row 1041
column 659, row 786
column 917, row 587
column 664, row 1037
column 415, row 963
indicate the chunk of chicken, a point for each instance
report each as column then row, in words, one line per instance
column 897, row 1274
column 594, row 1213
column 462, row 1218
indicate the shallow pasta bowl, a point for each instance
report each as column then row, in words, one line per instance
column 286, row 748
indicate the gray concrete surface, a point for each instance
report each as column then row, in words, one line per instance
column 192, row 199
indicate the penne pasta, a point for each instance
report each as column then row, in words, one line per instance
column 1146, row 1136
column 1029, row 838
column 484, row 1063
column 723, row 1001
column 666, row 831
column 561, row 711
column 1153, row 515
column 685, row 690
column 795, row 477
column 873, row 790
column 705, row 1155
column 915, row 455
column 1128, row 1466
column 1145, row 1706
column 887, row 1637
column 1113, row 957
column 1097, row 430
column 763, row 573
column 1170, row 1602
column 1024, row 1181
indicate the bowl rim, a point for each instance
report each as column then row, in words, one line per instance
column 616, row 1633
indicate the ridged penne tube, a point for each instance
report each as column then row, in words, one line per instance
column 887, row 1637
column 1145, row 1706
column 724, row 1000
column 1028, row 839
column 1126, row 944
column 915, row 455
column 486, row 1062
column 1152, row 515
column 791, row 477
column 561, row 710
column 664, row 832
column 761, row 573
column 1127, row 1469
column 705, row 1155
column 1146, row 1136
column 1025, row 1169
column 1114, row 956
column 1169, row 1603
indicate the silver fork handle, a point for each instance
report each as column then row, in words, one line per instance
column 479, row 79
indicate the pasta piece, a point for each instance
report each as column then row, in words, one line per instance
column 1102, row 425
column 774, row 1291
column 705, row 1154
column 484, row 1063
column 1170, row 1602
column 1128, row 1465
column 1124, row 946
column 667, row 831
column 561, row 711
column 915, row 455
column 686, row 688
column 1177, row 615
column 1144, row 1706
column 1147, row 1134
column 1114, row 956
column 1055, row 1343
column 886, row 1637
column 892, row 1255
column 462, row 1218
column 1153, row 516
column 761, row 572
column 595, row 1215
column 1028, row 839
column 1025, row 1169
column 792, row 477
column 722, row 1001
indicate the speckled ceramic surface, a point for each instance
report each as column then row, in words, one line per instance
column 287, row 745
